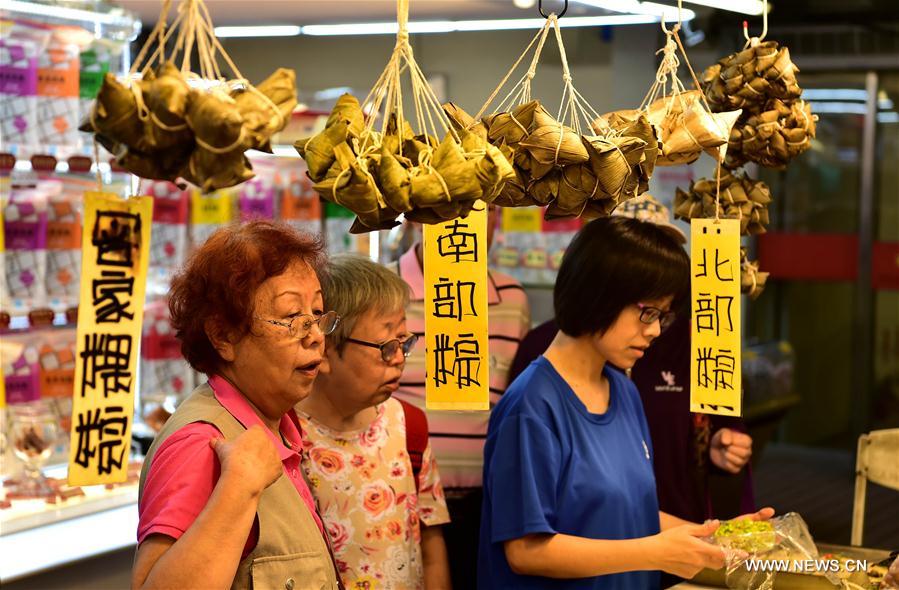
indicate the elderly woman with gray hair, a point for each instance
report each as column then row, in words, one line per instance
column 369, row 462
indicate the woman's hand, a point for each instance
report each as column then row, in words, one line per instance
column 681, row 551
column 763, row 514
column 250, row 459
column 891, row 580
column 730, row 450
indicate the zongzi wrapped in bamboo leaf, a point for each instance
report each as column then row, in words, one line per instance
column 211, row 171
column 215, row 120
column 386, row 220
column 167, row 96
column 546, row 189
column 114, row 114
column 551, row 142
column 608, row 163
column 261, row 120
column 348, row 109
column 355, row 187
column 396, row 185
column 318, row 151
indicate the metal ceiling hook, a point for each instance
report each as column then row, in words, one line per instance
column 544, row 15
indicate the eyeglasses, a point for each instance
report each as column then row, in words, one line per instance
column 649, row 315
column 388, row 349
column 299, row 326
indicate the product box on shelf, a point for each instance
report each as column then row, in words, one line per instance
column 166, row 378
column 338, row 222
column 300, row 205
column 64, row 226
column 18, row 89
column 25, row 234
column 20, row 359
column 529, row 248
column 57, row 94
column 169, row 241
column 95, row 61
column 209, row 212
column 257, row 198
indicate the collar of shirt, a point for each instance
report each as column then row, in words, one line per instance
column 239, row 407
column 413, row 274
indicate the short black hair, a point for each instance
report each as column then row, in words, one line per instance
column 614, row 262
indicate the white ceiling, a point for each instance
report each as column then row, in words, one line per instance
column 306, row 12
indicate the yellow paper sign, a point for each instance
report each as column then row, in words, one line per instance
column 522, row 219
column 115, row 250
column 715, row 374
column 212, row 209
column 456, row 346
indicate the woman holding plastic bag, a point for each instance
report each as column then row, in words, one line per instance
column 569, row 491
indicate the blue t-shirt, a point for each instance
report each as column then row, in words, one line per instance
column 551, row 466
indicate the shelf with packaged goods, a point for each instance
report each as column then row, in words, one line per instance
column 54, row 56
column 102, row 18
column 36, row 535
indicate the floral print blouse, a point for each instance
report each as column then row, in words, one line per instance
column 366, row 495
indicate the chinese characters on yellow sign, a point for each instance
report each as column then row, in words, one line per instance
column 455, row 268
column 715, row 375
column 115, row 251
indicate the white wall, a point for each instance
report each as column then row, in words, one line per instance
column 612, row 69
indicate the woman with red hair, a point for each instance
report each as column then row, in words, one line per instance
column 222, row 499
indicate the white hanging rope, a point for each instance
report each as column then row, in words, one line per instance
column 573, row 108
column 386, row 96
column 194, row 29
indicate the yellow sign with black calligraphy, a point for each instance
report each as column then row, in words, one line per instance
column 456, row 337
column 115, row 250
column 715, row 374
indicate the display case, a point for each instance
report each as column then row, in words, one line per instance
column 53, row 56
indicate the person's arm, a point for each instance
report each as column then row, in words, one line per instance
column 432, row 512
column 208, row 553
column 678, row 551
column 669, row 521
column 435, row 559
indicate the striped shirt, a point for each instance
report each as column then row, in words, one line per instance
column 457, row 438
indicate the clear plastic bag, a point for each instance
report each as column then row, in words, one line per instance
column 780, row 548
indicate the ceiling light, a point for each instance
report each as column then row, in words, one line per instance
column 389, row 28
column 751, row 7
column 524, row 4
column 670, row 13
column 485, row 25
column 835, row 94
column 258, row 31
column 116, row 17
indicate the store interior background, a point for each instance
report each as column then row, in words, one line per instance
column 843, row 332
column 831, row 310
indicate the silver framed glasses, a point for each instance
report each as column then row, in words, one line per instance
column 649, row 314
column 300, row 325
column 388, row 349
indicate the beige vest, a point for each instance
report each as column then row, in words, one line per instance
column 291, row 552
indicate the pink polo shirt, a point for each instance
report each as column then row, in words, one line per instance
column 458, row 438
column 185, row 470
